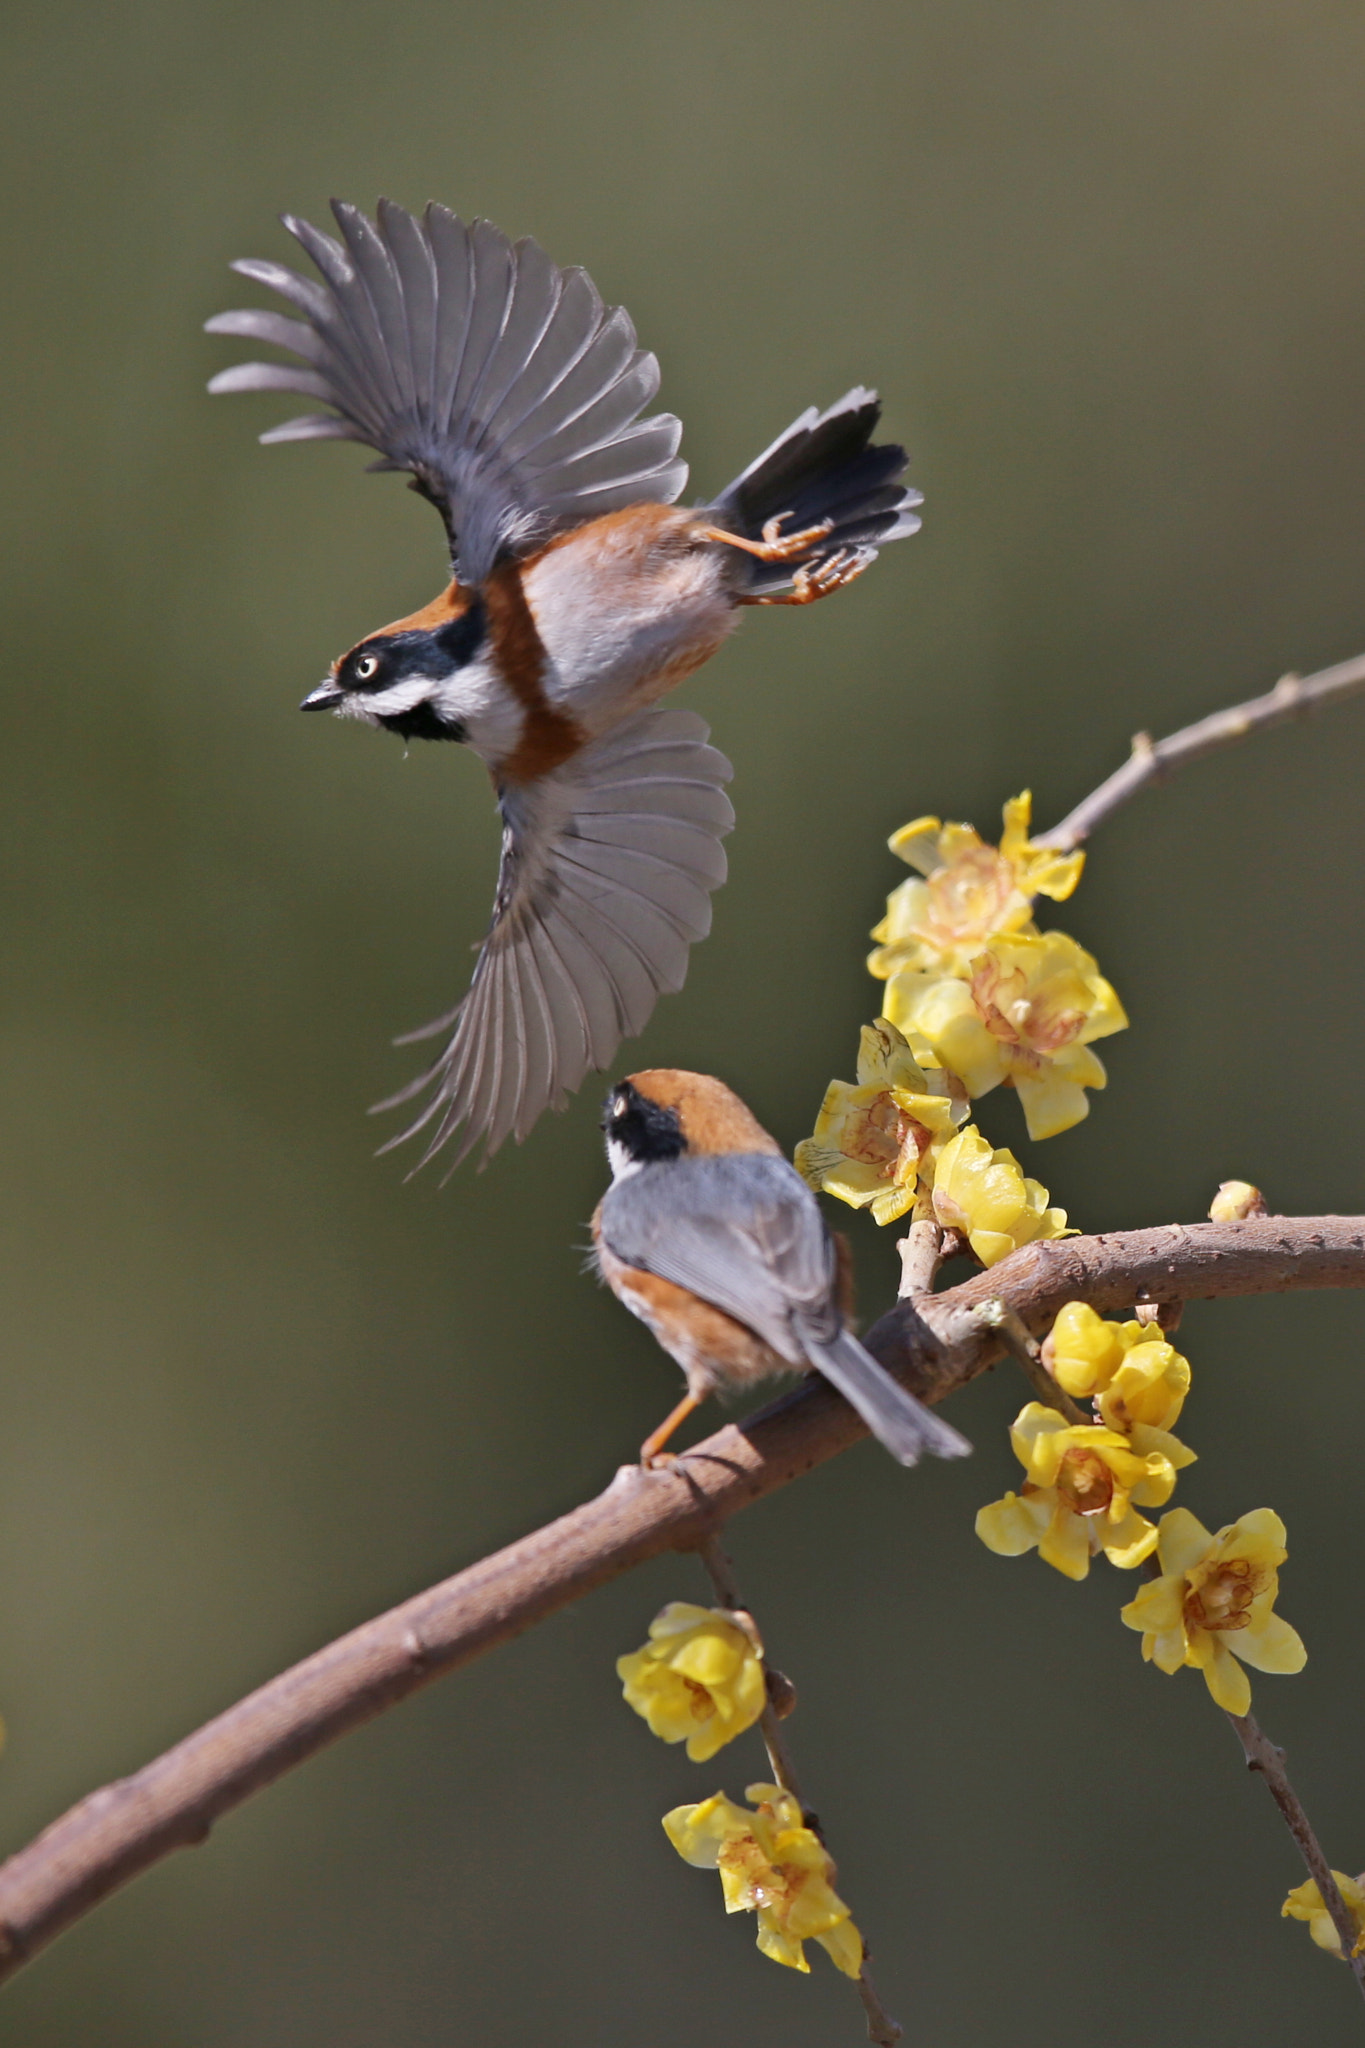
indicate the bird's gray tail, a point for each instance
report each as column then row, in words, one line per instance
column 823, row 468
column 903, row 1424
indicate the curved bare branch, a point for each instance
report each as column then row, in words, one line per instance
column 935, row 1341
column 1153, row 760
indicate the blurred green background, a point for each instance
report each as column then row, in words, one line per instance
column 1104, row 261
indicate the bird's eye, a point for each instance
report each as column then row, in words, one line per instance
column 367, row 668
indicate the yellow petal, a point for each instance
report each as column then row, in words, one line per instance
column 1051, row 1103
column 680, row 1615
column 1013, row 1525
column 1258, row 1536
column 1226, row 1680
column 1184, row 1541
column 1157, row 1607
column 1169, row 1649
column 779, row 1946
column 1083, row 1351
column 917, row 843
column 890, row 1204
column 1128, row 1542
column 1031, row 1433
column 1270, row 1644
column 844, row 1946
column 693, row 1832
column 1146, row 1440
column 1066, row 1544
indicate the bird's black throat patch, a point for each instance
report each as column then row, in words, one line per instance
column 423, row 722
column 646, row 1131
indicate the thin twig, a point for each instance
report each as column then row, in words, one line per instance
column 882, row 2029
column 1014, row 1335
column 721, row 1573
column 1266, row 1757
column 921, row 1251
column 936, row 1343
column 1153, row 760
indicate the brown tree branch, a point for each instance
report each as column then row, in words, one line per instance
column 1267, row 1757
column 935, row 1341
column 1153, row 760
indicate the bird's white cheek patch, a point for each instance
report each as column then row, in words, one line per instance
column 620, row 1161
column 393, row 702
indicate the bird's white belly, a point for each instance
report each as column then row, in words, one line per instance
column 619, row 630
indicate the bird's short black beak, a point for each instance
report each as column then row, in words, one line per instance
column 326, row 697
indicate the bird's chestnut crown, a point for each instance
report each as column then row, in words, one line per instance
column 662, row 1112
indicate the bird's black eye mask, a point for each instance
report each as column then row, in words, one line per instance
column 645, row 1130
column 391, row 658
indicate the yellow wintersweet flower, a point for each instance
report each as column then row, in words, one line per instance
column 1078, row 1498
column 1214, row 1603
column 698, row 1679
column 970, row 892
column 1026, row 1013
column 1305, row 1903
column 1138, row 1381
column 772, row 1864
column 1083, row 1352
column 983, row 1193
column 1235, row 1201
column 871, row 1139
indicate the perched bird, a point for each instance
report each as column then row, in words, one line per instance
column 712, row 1239
column 580, row 594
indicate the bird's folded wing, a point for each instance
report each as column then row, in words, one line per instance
column 742, row 1231
column 499, row 380
column 607, row 868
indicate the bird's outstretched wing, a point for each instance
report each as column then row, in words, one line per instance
column 499, row 380
column 607, row 867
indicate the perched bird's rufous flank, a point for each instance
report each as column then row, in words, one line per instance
column 580, row 593
column 718, row 1246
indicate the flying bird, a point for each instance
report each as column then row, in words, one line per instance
column 580, row 593
column 717, row 1244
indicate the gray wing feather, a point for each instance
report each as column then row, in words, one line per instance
column 499, row 380
column 607, row 868
column 743, row 1232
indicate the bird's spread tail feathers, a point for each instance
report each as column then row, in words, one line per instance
column 823, row 468
column 906, row 1427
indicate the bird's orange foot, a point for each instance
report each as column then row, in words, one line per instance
column 775, row 546
column 818, row 581
column 652, row 1452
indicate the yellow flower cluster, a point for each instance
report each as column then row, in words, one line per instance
column 772, row 1864
column 970, row 973
column 1212, row 1606
column 699, row 1678
column 976, row 996
column 1086, row 1482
